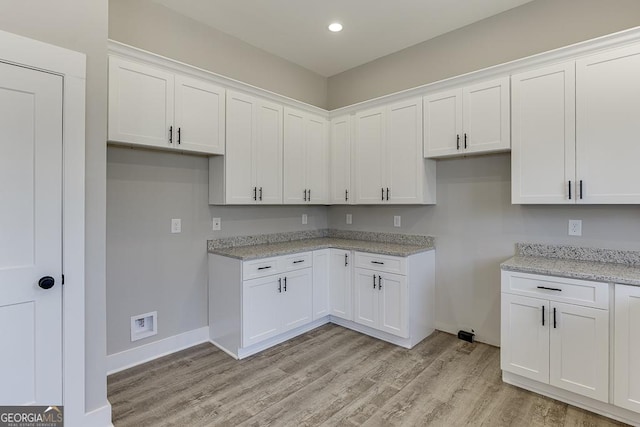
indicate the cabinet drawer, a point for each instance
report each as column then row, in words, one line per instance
column 390, row 264
column 573, row 291
column 261, row 268
column 297, row 261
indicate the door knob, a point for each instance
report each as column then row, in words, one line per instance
column 46, row 282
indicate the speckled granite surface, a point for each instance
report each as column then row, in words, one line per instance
column 263, row 246
column 601, row 265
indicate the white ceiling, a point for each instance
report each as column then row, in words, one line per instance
column 297, row 29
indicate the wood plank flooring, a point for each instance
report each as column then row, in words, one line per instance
column 333, row 376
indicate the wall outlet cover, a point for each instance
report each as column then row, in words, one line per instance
column 304, row 218
column 217, row 224
column 575, row 227
column 349, row 219
column 397, row 221
column 144, row 325
column 176, row 225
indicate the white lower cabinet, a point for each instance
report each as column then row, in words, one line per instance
column 261, row 302
column 340, row 289
column 626, row 379
column 563, row 344
column 381, row 301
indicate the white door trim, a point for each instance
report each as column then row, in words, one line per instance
column 71, row 66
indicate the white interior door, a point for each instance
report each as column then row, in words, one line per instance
column 30, row 236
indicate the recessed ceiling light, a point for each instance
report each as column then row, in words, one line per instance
column 335, row 27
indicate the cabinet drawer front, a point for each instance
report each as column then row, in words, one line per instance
column 390, row 264
column 581, row 292
column 261, row 268
column 297, row 261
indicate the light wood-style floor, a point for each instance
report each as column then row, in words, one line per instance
column 332, row 376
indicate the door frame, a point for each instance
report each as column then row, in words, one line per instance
column 25, row 52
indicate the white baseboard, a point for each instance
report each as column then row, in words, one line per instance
column 100, row 417
column 129, row 358
column 453, row 329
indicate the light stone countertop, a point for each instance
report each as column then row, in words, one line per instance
column 251, row 252
column 576, row 269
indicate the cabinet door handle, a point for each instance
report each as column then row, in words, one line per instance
column 457, row 141
column 387, row 193
column 374, row 281
column 260, row 193
column 580, row 189
column 305, row 195
column 379, row 283
column 280, row 285
column 309, row 195
column 543, row 315
column 346, row 195
column 298, row 261
column 465, row 141
column 549, row 289
column 285, row 284
column 170, row 134
column 346, row 260
column 264, row 268
column 179, row 132
column 382, row 196
column 554, row 318
column 377, row 262
column 569, row 189
column 255, row 193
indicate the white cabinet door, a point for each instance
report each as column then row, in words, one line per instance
column 524, row 341
column 340, row 290
column 627, row 348
column 262, row 309
column 443, row 123
column 268, row 153
column 404, row 160
column 321, row 277
column 240, row 157
column 579, row 350
column 370, row 143
column 199, row 116
column 317, row 160
column 366, row 297
column 340, row 160
column 295, row 185
column 607, row 106
column 486, row 117
column 544, row 139
column 140, row 104
column 297, row 295
column 393, row 304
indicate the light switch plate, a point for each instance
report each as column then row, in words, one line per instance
column 176, row 225
column 397, row 221
column 349, row 219
column 304, row 218
column 217, row 224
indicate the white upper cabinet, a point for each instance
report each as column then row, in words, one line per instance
column 140, row 104
column 473, row 119
column 543, row 131
column 151, row 107
column 250, row 172
column 607, row 111
column 199, row 115
column 306, row 158
column 340, row 161
column 389, row 164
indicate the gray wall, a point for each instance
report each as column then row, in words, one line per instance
column 150, row 269
column 476, row 227
column 153, row 27
column 81, row 25
column 535, row 27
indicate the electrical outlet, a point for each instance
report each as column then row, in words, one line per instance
column 176, row 225
column 575, row 227
column 304, row 218
column 349, row 219
column 397, row 221
column 217, row 224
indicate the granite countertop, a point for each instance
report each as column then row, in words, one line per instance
column 396, row 247
column 600, row 265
